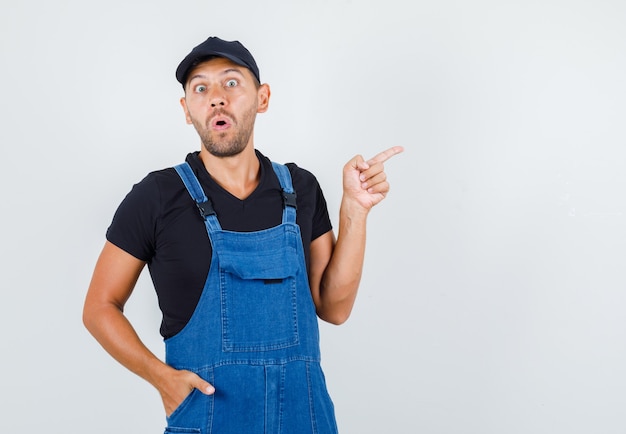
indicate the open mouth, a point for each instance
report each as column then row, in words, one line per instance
column 221, row 123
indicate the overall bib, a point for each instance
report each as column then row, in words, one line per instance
column 254, row 333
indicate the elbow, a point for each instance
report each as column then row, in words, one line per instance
column 336, row 310
column 336, row 318
column 87, row 319
column 91, row 317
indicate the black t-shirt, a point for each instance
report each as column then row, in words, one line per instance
column 159, row 223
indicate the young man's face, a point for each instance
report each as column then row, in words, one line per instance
column 221, row 101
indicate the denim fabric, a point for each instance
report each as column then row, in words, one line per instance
column 254, row 334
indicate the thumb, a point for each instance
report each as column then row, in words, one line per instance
column 359, row 163
column 203, row 386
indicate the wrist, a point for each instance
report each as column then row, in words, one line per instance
column 353, row 209
column 157, row 372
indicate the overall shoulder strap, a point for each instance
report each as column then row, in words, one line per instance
column 289, row 195
column 197, row 194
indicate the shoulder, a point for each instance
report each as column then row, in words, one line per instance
column 148, row 196
column 304, row 182
column 299, row 176
column 144, row 211
column 300, row 173
column 166, row 181
column 153, row 186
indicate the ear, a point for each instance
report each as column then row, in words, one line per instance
column 183, row 103
column 263, row 94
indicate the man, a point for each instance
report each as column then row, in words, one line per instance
column 243, row 259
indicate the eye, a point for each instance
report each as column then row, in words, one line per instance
column 199, row 88
column 232, row 83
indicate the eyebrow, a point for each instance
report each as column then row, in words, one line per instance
column 225, row 72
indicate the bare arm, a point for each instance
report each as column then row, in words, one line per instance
column 113, row 281
column 336, row 266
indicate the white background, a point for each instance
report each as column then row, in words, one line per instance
column 493, row 299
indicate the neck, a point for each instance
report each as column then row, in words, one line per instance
column 239, row 174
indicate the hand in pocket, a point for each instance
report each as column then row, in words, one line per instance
column 177, row 385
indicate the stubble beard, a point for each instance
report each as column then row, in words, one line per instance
column 217, row 143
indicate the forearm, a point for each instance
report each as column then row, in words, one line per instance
column 118, row 337
column 112, row 283
column 340, row 281
column 337, row 267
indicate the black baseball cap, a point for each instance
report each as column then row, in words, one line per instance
column 216, row 47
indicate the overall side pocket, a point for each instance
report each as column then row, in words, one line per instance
column 194, row 413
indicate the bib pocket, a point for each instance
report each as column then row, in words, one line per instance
column 258, row 298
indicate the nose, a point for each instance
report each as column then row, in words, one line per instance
column 217, row 97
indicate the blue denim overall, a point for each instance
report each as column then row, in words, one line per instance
column 254, row 333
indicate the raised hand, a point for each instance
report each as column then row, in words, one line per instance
column 366, row 181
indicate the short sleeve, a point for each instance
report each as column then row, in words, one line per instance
column 321, row 219
column 134, row 223
column 311, row 201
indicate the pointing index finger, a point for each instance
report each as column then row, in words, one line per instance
column 385, row 155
